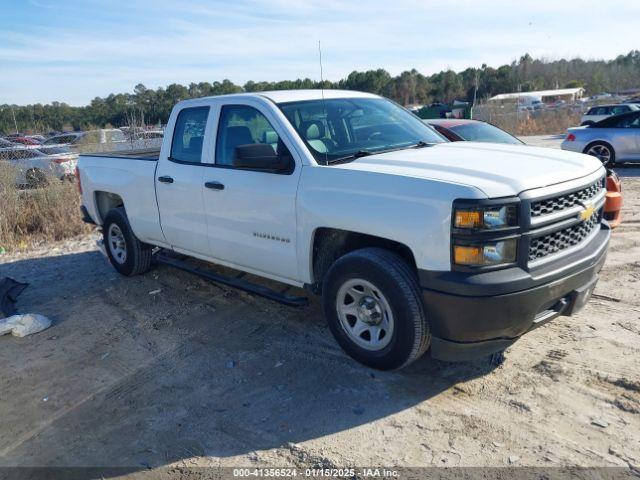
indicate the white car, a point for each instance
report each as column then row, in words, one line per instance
column 595, row 114
column 416, row 244
column 33, row 166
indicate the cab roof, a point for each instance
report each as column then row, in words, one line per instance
column 284, row 96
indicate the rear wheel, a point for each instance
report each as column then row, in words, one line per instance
column 603, row 151
column 374, row 308
column 128, row 255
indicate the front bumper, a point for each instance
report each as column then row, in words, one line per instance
column 476, row 314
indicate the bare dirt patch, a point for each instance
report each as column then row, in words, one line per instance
column 201, row 375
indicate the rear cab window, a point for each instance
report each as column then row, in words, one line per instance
column 188, row 135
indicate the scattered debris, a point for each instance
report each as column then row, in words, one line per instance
column 514, row 459
column 605, row 297
column 23, row 325
column 231, row 364
column 599, row 422
column 2, row 251
column 498, row 444
column 278, row 364
column 104, row 355
column 9, row 291
column 155, row 292
column 45, row 399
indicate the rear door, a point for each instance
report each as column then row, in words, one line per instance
column 179, row 180
column 251, row 215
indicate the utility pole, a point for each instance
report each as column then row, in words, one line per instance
column 15, row 124
column 475, row 90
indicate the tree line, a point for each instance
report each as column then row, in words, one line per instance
column 151, row 106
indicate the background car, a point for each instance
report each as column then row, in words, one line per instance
column 25, row 140
column 477, row 131
column 595, row 114
column 106, row 139
column 64, row 139
column 613, row 140
column 4, row 143
column 34, row 167
column 633, row 100
column 457, row 130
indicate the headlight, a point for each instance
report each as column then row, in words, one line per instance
column 485, row 254
column 486, row 218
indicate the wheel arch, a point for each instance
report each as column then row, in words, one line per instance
column 106, row 201
column 605, row 142
column 329, row 244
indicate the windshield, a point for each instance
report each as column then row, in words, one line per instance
column 343, row 128
column 483, row 132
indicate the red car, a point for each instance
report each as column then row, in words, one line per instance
column 25, row 141
column 457, row 130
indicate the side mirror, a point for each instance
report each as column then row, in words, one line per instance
column 261, row 156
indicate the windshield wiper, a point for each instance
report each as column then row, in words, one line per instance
column 365, row 153
column 422, row 144
column 358, row 154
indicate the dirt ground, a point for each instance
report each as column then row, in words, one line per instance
column 164, row 372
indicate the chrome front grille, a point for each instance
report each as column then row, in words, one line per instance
column 560, row 240
column 565, row 201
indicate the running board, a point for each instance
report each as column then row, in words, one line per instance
column 236, row 282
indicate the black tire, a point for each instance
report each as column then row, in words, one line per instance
column 397, row 282
column 36, row 178
column 138, row 254
column 602, row 145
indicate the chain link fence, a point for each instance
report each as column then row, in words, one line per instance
column 551, row 119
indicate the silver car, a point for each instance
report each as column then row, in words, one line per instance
column 613, row 140
column 600, row 112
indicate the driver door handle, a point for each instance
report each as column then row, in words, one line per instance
column 214, row 185
column 165, row 179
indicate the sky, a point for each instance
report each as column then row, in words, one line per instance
column 74, row 50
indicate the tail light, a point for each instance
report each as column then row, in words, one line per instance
column 78, row 181
column 571, row 137
column 60, row 160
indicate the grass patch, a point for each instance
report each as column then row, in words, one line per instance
column 33, row 216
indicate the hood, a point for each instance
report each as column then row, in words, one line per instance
column 498, row 170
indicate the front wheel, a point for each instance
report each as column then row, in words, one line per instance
column 603, row 151
column 373, row 305
column 128, row 255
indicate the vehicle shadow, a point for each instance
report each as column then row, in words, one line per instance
column 142, row 381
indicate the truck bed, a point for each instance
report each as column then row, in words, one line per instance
column 148, row 154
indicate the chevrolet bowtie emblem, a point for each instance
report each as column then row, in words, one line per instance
column 587, row 213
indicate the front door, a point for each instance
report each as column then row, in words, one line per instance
column 251, row 215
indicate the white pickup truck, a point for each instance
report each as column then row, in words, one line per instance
column 414, row 243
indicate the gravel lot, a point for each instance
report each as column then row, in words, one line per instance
column 164, row 372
